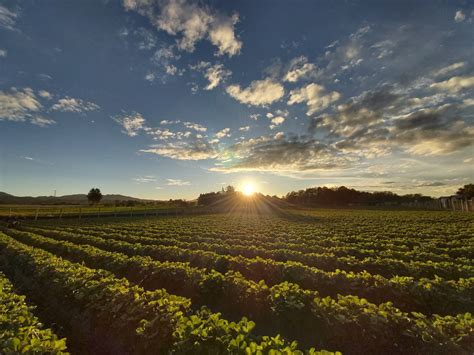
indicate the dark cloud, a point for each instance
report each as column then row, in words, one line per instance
column 298, row 153
column 423, row 120
column 387, row 118
column 432, row 184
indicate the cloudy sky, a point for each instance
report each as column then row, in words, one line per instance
column 169, row 98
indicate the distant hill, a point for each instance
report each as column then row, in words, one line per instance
column 77, row 199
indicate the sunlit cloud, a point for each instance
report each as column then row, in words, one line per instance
column 70, row 104
column 191, row 23
column 258, row 93
column 177, row 182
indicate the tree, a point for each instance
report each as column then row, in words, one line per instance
column 94, row 196
column 230, row 189
column 467, row 191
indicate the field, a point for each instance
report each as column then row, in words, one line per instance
column 59, row 211
column 350, row 281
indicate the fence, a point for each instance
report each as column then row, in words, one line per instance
column 49, row 212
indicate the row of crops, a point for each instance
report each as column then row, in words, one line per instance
column 355, row 282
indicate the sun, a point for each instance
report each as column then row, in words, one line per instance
column 248, row 189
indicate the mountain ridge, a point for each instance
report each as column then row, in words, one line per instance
column 80, row 199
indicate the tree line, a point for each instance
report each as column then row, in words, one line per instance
column 343, row 196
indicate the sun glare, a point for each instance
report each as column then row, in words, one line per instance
column 248, row 189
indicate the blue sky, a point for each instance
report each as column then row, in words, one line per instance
column 167, row 99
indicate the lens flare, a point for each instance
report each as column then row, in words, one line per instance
column 248, row 189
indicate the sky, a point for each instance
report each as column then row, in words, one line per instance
column 167, row 99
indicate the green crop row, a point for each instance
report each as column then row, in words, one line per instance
column 433, row 231
column 106, row 314
column 329, row 262
column 287, row 249
column 425, row 295
column 20, row 331
column 283, row 308
column 300, row 313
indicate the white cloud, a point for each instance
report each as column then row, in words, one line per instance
column 216, row 75
column 194, row 150
column 255, row 116
column 177, row 182
column 455, row 84
column 468, row 102
column 276, row 121
column 165, row 55
column 459, row 16
column 196, row 126
column 314, row 96
column 164, row 122
column 192, row 22
column 171, row 69
column 45, row 94
column 223, row 37
column 147, row 39
column 161, row 134
column 449, row 69
column 164, row 59
column 42, row 121
column 70, row 104
column 269, row 115
column 3, row 53
column 150, row 77
column 244, row 129
column 144, row 179
column 17, row 105
column 383, row 48
column 7, row 18
column 279, row 135
column 300, row 69
column 283, row 113
column 194, row 87
column 223, row 133
column 259, row 93
column 131, row 124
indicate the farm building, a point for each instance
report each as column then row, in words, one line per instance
column 456, row 202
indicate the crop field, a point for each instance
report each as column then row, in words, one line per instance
column 349, row 281
column 58, row 211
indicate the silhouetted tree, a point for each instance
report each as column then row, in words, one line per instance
column 467, row 191
column 343, row 196
column 211, row 198
column 94, row 196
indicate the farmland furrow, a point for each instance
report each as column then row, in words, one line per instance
column 87, row 301
column 426, row 296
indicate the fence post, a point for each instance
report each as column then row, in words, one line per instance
column 131, row 211
column 36, row 215
column 60, row 213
